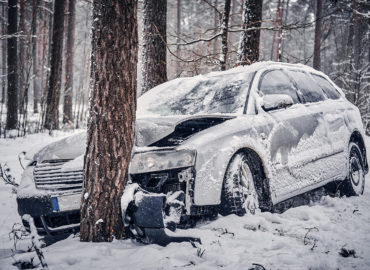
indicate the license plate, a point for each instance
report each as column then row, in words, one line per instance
column 66, row 203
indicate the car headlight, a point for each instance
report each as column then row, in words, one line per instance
column 161, row 160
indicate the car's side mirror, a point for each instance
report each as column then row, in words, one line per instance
column 273, row 102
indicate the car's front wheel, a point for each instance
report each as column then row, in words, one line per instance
column 354, row 184
column 239, row 194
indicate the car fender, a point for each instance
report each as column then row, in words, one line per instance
column 215, row 148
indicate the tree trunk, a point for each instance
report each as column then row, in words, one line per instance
column 12, row 102
column 250, row 40
column 224, row 34
column 178, row 31
column 154, row 67
column 36, row 87
column 52, row 101
column 286, row 12
column 3, row 54
column 22, row 54
column 356, row 52
column 68, row 88
column 216, row 20
column 112, row 116
column 317, row 45
column 278, row 39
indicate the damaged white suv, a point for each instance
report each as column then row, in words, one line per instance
column 225, row 142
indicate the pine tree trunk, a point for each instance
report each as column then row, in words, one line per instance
column 112, row 116
column 3, row 54
column 279, row 15
column 12, row 101
column 216, row 20
column 52, row 101
column 178, row 32
column 36, row 87
column 250, row 40
column 68, row 88
column 154, row 66
column 224, row 34
column 22, row 54
column 317, row 45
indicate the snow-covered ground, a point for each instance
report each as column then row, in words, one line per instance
column 305, row 237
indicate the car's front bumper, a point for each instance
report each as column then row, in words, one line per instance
column 48, row 220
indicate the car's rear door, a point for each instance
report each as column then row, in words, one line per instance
column 321, row 163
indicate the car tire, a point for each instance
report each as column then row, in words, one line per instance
column 239, row 193
column 354, row 184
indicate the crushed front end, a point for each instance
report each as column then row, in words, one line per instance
column 160, row 196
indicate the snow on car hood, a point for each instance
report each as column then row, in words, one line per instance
column 148, row 131
column 67, row 148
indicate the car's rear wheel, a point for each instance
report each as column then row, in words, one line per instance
column 354, row 184
column 239, row 193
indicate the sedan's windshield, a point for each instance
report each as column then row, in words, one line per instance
column 222, row 94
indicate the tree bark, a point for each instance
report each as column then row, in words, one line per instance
column 68, row 88
column 12, row 101
column 3, row 54
column 52, row 101
column 154, row 65
column 317, row 45
column 224, row 34
column 178, row 31
column 35, row 66
column 112, row 116
column 250, row 40
column 22, row 54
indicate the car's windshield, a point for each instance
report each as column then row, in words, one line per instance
column 220, row 94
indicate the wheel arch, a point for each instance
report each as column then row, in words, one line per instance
column 357, row 138
column 263, row 184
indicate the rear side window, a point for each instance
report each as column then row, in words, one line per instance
column 327, row 87
column 309, row 89
column 276, row 82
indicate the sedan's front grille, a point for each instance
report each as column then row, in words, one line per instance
column 50, row 176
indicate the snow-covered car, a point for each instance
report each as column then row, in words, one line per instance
column 225, row 142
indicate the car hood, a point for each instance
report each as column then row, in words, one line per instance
column 148, row 131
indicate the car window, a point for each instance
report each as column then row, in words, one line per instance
column 308, row 88
column 226, row 93
column 327, row 87
column 276, row 82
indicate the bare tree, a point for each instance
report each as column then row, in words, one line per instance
column 112, row 116
column 52, row 101
column 154, row 64
column 224, row 34
column 12, row 101
column 250, row 40
column 68, row 88
column 318, row 30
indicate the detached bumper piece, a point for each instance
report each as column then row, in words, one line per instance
column 147, row 211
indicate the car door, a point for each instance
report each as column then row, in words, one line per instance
column 334, row 113
column 321, row 162
column 289, row 127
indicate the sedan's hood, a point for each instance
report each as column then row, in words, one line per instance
column 149, row 130
column 67, row 148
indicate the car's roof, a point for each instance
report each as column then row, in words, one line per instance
column 259, row 66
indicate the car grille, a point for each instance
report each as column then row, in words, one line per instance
column 49, row 176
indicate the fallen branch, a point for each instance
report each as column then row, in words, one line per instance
column 6, row 175
column 307, row 238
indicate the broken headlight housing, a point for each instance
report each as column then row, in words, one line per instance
column 161, row 160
